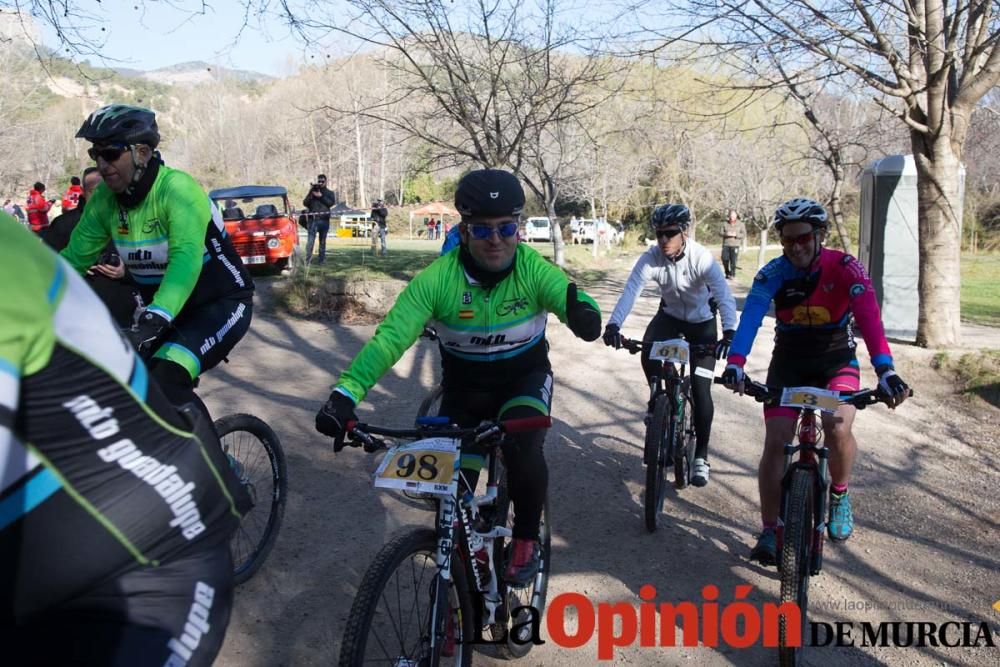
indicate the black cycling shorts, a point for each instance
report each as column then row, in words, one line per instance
column 837, row 370
column 174, row 615
column 202, row 336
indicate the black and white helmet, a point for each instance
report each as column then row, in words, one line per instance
column 489, row 193
column 121, row 123
column 801, row 210
column 670, row 215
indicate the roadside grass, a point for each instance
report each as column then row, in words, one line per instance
column 981, row 289
column 975, row 373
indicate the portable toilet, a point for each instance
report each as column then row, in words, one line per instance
column 888, row 244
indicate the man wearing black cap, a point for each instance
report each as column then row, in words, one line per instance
column 489, row 302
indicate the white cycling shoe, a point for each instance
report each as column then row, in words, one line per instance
column 699, row 472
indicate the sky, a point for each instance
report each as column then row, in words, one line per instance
column 153, row 34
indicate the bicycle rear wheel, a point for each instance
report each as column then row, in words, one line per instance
column 657, row 441
column 517, row 601
column 391, row 619
column 795, row 555
column 256, row 456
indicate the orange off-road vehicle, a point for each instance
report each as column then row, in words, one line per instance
column 260, row 223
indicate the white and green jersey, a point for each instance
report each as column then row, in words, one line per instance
column 488, row 335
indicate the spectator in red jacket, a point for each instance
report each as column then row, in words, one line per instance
column 38, row 208
column 71, row 199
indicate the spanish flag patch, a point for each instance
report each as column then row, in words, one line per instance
column 466, row 314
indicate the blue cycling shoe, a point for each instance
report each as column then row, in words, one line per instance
column 841, row 517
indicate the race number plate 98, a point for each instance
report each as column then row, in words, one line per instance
column 823, row 400
column 426, row 465
column 673, row 351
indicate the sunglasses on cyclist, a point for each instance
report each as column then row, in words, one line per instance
column 801, row 239
column 107, row 153
column 482, row 232
column 667, row 233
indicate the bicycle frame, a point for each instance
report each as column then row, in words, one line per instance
column 460, row 507
column 813, row 456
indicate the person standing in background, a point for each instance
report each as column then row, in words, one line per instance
column 71, row 199
column 733, row 231
column 38, row 208
column 319, row 201
column 379, row 214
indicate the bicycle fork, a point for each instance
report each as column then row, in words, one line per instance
column 815, row 459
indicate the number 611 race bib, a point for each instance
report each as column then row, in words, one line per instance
column 426, row 465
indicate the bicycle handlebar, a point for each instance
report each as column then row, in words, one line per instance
column 365, row 433
column 859, row 399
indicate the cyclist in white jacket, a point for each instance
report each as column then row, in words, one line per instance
column 691, row 283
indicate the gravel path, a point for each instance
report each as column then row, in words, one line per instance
column 925, row 493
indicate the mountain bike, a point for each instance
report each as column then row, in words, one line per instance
column 670, row 433
column 805, row 490
column 431, row 594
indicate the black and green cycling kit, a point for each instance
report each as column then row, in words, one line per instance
column 174, row 243
column 489, row 336
column 494, row 358
column 115, row 509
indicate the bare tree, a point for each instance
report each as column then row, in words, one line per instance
column 929, row 62
column 497, row 76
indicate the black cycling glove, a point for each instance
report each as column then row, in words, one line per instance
column 722, row 347
column 149, row 328
column 895, row 390
column 332, row 418
column 612, row 336
column 582, row 318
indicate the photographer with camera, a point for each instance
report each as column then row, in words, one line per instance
column 108, row 277
column 319, row 201
column 378, row 215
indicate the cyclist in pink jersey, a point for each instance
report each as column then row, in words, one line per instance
column 819, row 296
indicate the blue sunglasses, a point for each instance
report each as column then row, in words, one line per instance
column 482, row 232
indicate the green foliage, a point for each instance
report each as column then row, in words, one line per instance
column 980, row 295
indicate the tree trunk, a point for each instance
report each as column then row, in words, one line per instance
column 558, row 247
column 939, row 224
column 762, row 252
column 837, row 209
column 362, row 195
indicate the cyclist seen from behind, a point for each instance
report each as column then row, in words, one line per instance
column 172, row 240
column 690, row 283
column 819, row 296
column 489, row 300
column 116, row 509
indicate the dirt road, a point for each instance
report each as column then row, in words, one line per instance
column 925, row 496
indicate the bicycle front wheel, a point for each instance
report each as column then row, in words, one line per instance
column 657, row 442
column 519, row 605
column 256, row 456
column 795, row 549
column 392, row 619
column 682, row 440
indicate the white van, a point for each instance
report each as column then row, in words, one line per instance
column 537, row 229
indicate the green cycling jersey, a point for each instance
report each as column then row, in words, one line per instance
column 487, row 334
column 173, row 241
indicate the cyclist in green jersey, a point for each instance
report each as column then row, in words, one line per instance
column 174, row 244
column 116, row 509
column 489, row 300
